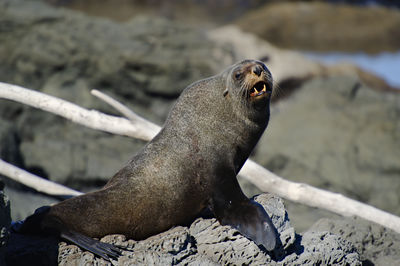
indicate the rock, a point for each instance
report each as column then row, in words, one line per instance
column 9, row 143
column 337, row 134
column 10, row 150
column 206, row 12
column 206, row 242
column 66, row 53
column 375, row 244
column 5, row 221
column 25, row 201
column 283, row 64
column 20, row 195
column 225, row 245
column 325, row 26
column 324, row 248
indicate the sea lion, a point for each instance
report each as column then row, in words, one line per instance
column 190, row 165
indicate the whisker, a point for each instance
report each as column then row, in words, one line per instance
column 277, row 91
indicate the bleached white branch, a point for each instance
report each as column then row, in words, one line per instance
column 256, row 174
column 302, row 193
column 125, row 111
column 35, row 182
column 77, row 114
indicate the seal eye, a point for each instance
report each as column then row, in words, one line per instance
column 238, row 75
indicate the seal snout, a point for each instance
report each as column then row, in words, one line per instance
column 259, row 78
column 257, row 70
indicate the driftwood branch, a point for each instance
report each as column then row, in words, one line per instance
column 128, row 113
column 89, row 118
column 253, row 172
column 302, row 193
column 35, row 182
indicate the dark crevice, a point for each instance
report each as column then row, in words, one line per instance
column 354, row 90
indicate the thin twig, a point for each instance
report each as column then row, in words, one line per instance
column 124, row 110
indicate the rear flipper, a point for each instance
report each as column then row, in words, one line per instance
column 42, row 223
column 101, row 249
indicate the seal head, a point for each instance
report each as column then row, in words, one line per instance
column 251, row 83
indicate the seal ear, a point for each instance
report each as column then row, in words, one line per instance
column 226, row 92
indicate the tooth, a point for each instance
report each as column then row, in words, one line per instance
column 264, row 89
column 255, row 89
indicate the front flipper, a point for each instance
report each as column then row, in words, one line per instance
column 251, row 220
column 232, row 207
column 101, row 249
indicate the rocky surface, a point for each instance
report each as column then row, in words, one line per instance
column 206, row 242
column 206, row 12
column 321, row 26
column 5, row 221
column 374, row 243
column 344, row 241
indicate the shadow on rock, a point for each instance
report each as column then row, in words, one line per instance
column 31, row 250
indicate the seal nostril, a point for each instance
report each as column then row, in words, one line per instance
column 257, row 70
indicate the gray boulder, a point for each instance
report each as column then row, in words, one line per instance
column 374, row 243
column 324, row 26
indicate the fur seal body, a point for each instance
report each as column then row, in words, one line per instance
column 190, row 165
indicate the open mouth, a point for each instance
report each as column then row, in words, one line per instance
column 259, row 89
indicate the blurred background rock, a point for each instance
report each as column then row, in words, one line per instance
column 335, row 127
